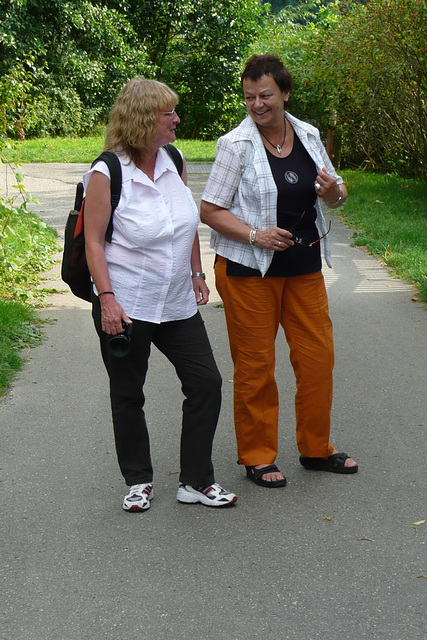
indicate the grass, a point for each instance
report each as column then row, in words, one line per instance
column 388, row 212
column 84, row 150
column 390, row 216
column 19, row 327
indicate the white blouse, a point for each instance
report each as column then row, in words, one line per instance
column 154, row 228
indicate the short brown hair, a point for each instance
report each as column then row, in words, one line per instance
column 268, row 65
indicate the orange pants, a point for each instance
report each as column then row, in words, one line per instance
column 254, row 308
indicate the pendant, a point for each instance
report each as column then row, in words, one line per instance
column 279, row 149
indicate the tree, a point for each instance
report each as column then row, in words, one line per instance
column 206, row 62
column 84, row 51
column 377, row 60
column 81, row 54
column 197, row 46
column 359, row 69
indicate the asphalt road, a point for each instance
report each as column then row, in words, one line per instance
column 326, row 557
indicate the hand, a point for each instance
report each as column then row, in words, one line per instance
column 275, row 238
column 201, row 290
column 328, row 188
column 112, row 315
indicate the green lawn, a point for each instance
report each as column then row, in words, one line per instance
column 390, row 215
column 85, row 150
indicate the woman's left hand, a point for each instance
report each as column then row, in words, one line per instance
column 201, row 290
column 327, row 187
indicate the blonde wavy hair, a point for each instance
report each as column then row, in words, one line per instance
column 133, row 118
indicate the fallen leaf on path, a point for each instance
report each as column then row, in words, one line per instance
column 418, row 523
column 326, row 517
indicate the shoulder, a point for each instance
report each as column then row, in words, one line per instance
column 235, row 140
column 302, row 127
column 126, row 164
column 246, row 130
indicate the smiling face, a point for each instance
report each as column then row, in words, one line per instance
column 265, row 101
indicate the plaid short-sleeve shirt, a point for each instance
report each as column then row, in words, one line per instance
column 241, row 181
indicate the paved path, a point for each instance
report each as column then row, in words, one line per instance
column 327, row 557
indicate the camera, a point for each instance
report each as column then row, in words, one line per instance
column 119, row 345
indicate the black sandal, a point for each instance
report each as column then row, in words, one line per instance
column 256, row 476
column 335, row 463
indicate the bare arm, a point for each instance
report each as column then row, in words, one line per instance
column 97, row 217
column 201, row 290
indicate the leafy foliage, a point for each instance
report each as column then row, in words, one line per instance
column 211, row 97
column 360, row 69
column 84, row 51
column 27, row 244
column 82, row 54
column 383, row 63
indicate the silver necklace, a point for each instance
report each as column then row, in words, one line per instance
column 278, row 147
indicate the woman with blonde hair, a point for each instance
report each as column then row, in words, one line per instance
column 147, row 284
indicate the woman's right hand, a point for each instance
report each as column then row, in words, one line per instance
column 112, row 315
column 223, row 221
column 274, row 238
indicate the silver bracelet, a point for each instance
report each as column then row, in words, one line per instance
column 198, row 274
column 252, row 236
column 337, row 201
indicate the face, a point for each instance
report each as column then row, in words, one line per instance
column 264, row 101
column 166, row 126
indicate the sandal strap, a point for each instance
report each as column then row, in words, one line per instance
column 258, row 473
column 338, row 459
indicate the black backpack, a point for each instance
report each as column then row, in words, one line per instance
column 74, row 269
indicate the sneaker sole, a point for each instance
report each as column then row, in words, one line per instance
column 135, row 508
column 188, row 498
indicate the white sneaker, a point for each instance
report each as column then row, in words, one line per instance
column 212, row 496
column 138, row 498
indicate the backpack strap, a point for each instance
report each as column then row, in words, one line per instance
column 115, row 168
column 176, row 157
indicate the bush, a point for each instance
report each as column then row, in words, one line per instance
column 56, row 112
column 27, row 245
column 360, row 70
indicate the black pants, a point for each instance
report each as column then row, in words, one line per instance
column 186, row 345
